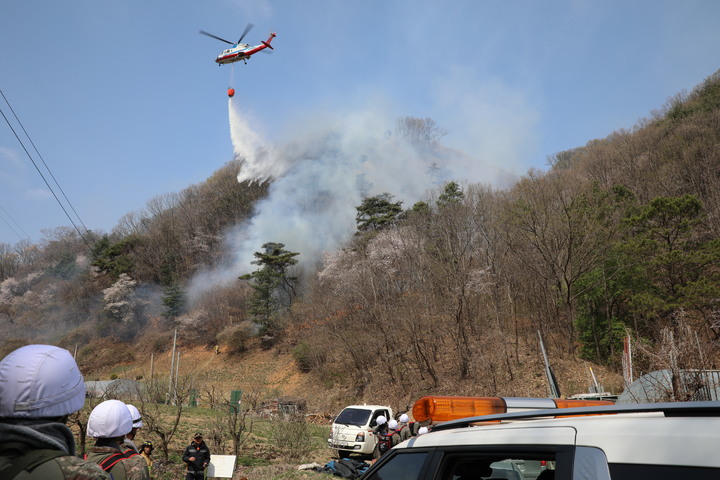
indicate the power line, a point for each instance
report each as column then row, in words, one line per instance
column 43, row 161
column 43, row 176
column 6, row 214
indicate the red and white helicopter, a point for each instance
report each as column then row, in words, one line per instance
column 239, row 51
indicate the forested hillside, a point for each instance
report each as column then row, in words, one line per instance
column 618, row 237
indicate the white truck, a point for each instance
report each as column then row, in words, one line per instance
column 352, row 430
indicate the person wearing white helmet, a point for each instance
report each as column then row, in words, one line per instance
column 129, row 441
column 109, row 422
column 384, row 436
column 403, row 429
column 40, row 386
column 380, row 425
column 394, row 432
column 380, row 421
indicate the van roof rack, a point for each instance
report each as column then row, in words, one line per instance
column 669, row 409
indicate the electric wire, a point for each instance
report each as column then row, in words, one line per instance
column 11, row 227
column 45, row 180
column 43, row 160
column 6, row 214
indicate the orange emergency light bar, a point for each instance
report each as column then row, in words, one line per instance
column 442, row 409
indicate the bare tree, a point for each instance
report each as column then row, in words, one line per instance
column 9, row 261
column 239, row 424
column 79, row 420
column 161, row 419
column 291, row 435
column 212, row 397
column 561, row 230
column 420, row 131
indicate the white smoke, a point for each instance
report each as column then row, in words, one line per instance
column 320, row 177
column 249, row 146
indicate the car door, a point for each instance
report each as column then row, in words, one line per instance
column 503, row 453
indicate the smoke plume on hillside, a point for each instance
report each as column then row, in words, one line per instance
column 321, row 175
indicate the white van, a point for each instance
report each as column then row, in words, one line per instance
column 352, row 430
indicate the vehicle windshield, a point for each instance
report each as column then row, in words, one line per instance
column 353, row 416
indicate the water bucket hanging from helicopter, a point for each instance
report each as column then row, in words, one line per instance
column 231, row 90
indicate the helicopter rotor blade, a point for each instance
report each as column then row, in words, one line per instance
column 247, row 29
column 216, row 37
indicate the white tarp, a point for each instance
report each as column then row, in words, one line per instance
column 221, row 466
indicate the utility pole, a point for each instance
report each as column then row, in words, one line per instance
column 177, row 374
column 172, row 368
column 627, row 361
column 552, row 382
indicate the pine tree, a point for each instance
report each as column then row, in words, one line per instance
column 451, row 195
column 174, row 299
column 377, row 212
column 274, row 287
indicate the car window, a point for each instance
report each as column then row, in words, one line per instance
column 497, row 467
column 353, row 416
column 376, row 414
column 403, row 466
column 591, row 464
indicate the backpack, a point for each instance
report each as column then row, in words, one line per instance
column 346, row 468
column 385, row 441
column 28, row 462
column 110, row 461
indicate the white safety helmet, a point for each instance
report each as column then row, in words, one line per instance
column 110, row 419
column 422, row 430
column 135, row 415
column 392, row 424
column 404, row 418
column 380, row 419
column 40, row 381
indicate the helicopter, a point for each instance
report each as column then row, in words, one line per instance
column 239, row 51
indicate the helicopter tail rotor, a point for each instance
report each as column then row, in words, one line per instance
column 267, row 44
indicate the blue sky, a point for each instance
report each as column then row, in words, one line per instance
column 124, row 101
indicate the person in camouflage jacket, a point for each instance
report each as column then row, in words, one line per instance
column 108, row 423
column 41, row 386
column 121, row 465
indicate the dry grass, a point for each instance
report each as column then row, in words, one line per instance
column 268, row 374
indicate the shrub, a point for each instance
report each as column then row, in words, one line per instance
column 308, row 356
column 302, row 353
column 292, row 436
column 235, row 338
